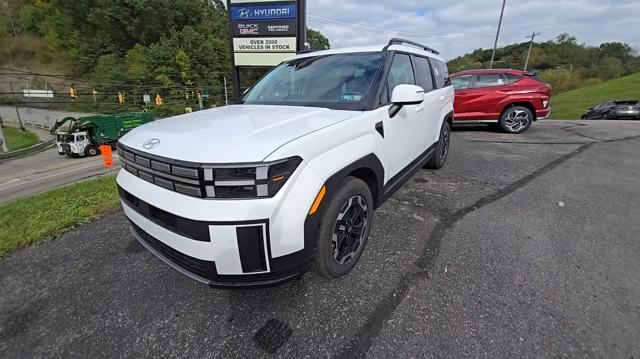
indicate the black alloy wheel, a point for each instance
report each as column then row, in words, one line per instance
column 345, row 224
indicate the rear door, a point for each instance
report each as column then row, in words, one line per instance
column 430, row 117
column 487, row 92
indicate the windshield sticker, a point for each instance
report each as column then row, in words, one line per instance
column 351, row 98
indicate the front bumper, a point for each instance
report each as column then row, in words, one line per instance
column 225, row 243
column 543, row 114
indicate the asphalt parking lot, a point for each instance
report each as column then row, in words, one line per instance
column 523, row 246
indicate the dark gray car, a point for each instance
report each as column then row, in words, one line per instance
column 614, row 110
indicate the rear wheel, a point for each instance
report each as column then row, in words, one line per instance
column 516, row 119
column 344, row 229
column 442, row 149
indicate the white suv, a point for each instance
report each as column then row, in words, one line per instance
column 254, row 193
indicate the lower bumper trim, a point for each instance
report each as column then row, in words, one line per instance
column 296, row 269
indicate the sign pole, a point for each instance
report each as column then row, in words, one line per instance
column 302, row 25
column 235, row 72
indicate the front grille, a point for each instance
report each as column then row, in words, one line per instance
column 182, row 178
column 204, row 269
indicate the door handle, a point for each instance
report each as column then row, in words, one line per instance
column 419, row 108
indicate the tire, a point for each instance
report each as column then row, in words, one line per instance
column 516, row 119
column 610, row 116
column 91, row 151
column 442, row 148
column 583, row 117
column 336, row 256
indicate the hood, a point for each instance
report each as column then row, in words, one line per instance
column 232, row 134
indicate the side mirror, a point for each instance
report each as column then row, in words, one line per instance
column 403, row 95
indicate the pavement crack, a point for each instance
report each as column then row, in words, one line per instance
column 531, row 143
column 580, row 134
column 363, row 340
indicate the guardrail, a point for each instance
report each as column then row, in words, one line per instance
column 29, row 150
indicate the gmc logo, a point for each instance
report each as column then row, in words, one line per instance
column 248, row 31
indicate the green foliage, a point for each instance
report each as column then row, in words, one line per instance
column 572, row 104
column 316, row 40
column 566, row 64
column 58, row 210
column 135, row 47
column 18, row 139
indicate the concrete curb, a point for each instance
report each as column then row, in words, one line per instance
column 29, row 150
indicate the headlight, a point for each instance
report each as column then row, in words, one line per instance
column 251, row 181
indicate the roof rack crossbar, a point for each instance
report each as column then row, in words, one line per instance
column 399, row 41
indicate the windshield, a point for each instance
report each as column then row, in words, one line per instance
column 338, row 81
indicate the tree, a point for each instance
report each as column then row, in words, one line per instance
column 137, row 65
column 317, row 40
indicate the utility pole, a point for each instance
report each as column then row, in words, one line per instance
column 3, row 141
column 495, row 44
column 17, row 112
column 226, row 94
column 533, row 36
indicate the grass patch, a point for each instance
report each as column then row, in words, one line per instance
column 18, row 139
column 33, row 220
column 572, row 104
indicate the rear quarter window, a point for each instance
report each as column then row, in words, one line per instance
column 440, row 72
column 511, row 78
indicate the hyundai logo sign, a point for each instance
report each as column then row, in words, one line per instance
column 285, row 11
column 151, row 143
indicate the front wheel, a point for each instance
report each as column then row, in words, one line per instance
column 442, row 149
column 516, row 119
column 91, row 151
column 344, row 229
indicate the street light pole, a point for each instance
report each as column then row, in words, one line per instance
column 533, row 36
column 495, row 44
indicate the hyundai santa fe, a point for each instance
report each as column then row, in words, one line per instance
column 287, row 179
column 509, row 99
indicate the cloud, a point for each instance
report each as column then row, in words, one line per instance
column 459, row 27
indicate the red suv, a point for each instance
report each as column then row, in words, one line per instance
column 510, row 98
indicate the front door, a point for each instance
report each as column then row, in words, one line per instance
column 404, row 133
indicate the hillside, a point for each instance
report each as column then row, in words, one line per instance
column 572, row 104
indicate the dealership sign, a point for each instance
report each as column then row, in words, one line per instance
column 265, row 32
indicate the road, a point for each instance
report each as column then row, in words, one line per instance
column 524, row 246
column 45, row 170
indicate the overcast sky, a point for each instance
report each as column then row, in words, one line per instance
column 457, row 27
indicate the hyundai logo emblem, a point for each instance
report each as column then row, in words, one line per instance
column 244, row 13
column 151, row 143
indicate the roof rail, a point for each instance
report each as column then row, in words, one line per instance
column 399, row 41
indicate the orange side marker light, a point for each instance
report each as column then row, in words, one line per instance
column 318, row 200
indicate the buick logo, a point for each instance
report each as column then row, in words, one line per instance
column 244, row 13
column 151, row 143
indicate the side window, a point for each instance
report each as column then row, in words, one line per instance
column 423, row 73
column 511, row 78
column 440, row 72
column 400, row 73
column 80, row 138
column 462, row 82
column 488, row 80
